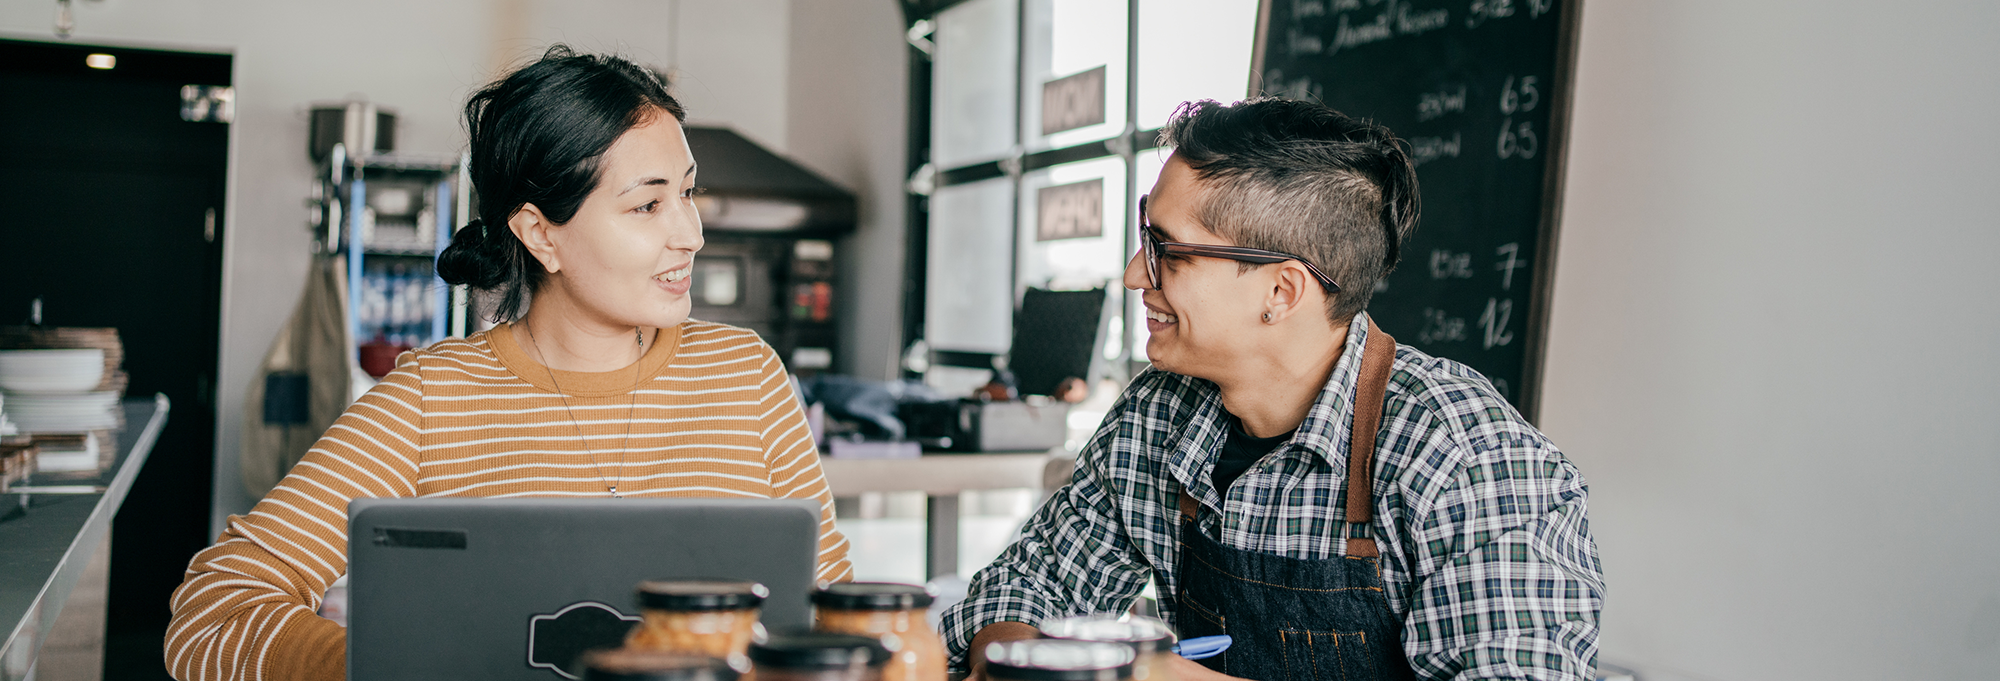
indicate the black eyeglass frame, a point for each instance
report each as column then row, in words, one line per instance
column 1153, row 246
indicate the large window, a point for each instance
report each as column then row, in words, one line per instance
column 1043, row 116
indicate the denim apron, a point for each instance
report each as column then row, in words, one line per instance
column 1293, row 619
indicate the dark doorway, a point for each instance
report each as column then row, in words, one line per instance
column 114, row 218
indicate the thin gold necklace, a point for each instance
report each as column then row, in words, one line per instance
column 610, row 485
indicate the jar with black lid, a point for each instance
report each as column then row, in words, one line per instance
column 886, row 609
column 1048, row 659
column 711, row 617
column 819, row 656
column 1151, row 640
column 641, row 665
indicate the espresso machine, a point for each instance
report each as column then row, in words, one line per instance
column 770, row 227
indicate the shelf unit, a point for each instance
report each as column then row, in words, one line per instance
column 387, row 217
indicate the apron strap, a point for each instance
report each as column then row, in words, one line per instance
column 1378, row 358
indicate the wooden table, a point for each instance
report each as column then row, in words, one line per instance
column 941, row 477
column 45, row 545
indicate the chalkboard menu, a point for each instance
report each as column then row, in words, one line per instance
column 1480, row 91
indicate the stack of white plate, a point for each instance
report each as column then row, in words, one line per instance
column 51, row 371
column 51, row 391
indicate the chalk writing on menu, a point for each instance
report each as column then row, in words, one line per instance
column 1473, row 87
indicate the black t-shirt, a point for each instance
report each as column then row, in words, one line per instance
column 1240, row 451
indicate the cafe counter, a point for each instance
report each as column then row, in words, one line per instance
column 50, row 532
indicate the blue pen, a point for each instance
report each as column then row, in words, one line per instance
column 1203, row 647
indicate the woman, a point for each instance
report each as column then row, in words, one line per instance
column 604, row 388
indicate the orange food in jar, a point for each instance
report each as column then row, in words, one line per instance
column 716, row 618
column 883, row 609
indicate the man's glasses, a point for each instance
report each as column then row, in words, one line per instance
column 1149, row 240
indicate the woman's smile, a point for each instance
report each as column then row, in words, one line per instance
column 676, row 281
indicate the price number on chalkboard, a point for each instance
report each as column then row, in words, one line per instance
column 1510, row 260
column 1518, row 140
column 1493, row 323
column 1519, row 99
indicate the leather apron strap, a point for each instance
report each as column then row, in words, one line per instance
column 1378, row 359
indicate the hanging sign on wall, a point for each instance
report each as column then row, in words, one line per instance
column 1069, row 211
column 1072, row 102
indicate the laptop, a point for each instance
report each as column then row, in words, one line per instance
column 520, row 588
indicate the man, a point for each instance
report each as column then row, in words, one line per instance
column 1223, row 474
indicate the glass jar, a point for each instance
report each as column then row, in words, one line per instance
column 819, row 656
column 882, row 609
column 1151, row 640
column 643, row 665
column 716, row 618
column 1050, row 659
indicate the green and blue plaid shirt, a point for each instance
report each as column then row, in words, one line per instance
column 1480, row 521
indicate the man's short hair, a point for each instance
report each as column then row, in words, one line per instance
column 1301, row 178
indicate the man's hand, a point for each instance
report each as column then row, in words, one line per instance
column 995, row 633
column 1190, row 670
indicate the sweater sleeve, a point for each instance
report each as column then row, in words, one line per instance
column 794, row 463
column 247, row 606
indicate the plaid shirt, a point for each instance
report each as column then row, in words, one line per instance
column 1480, row 521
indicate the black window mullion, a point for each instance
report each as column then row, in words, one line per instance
column 1020, row 115
column 1132, row 148
column 987, row 170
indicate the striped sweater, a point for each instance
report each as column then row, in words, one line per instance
column 713, row 415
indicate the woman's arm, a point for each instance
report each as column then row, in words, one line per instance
column 794, row 463
column 247, row 608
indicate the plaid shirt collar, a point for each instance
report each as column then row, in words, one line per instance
column 1325, row 432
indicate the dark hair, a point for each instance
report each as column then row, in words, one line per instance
column 538, row 136
column 1301, row 178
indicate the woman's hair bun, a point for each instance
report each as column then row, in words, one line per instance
column 470, row 260
column 490, row 258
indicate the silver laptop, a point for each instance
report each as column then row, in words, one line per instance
column 519, row 588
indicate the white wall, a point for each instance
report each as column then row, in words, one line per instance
column 728, row 58
column 849, row 121
column 1775, row 347
column 422, row 59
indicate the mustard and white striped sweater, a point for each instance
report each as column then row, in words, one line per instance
column 714, row 415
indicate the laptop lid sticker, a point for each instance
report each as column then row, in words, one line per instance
column 556, row 640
